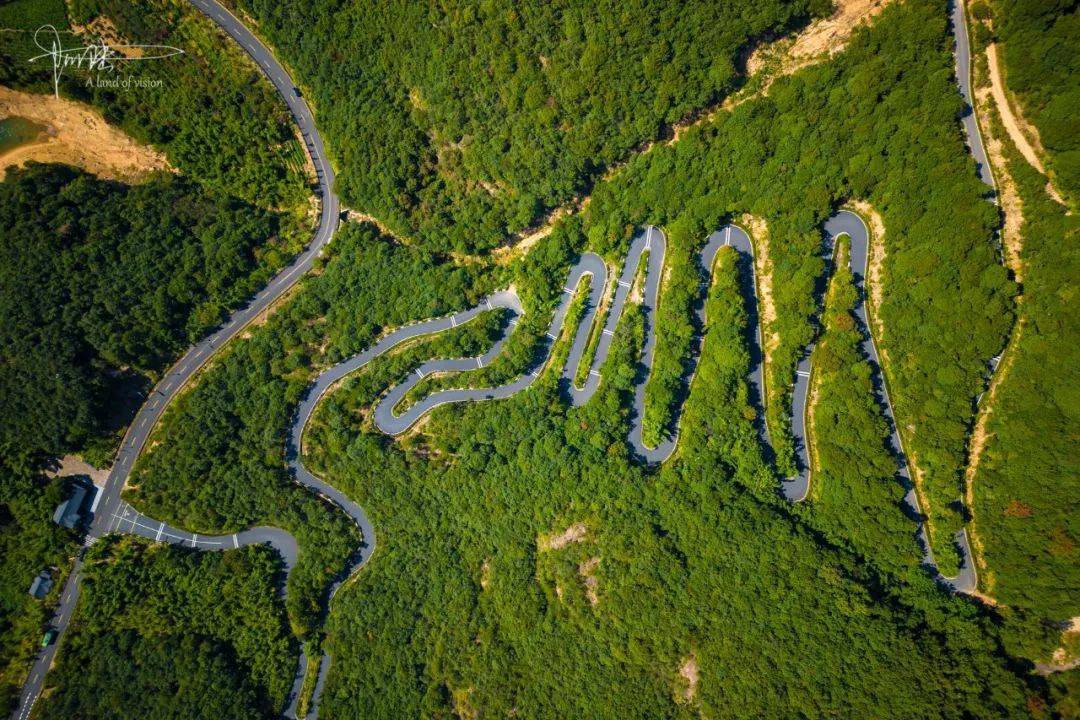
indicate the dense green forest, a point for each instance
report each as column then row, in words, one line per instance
column 214, row 114
column 462, row 122
column 166, row 632
column 1027, row 498
column 28, row 544
column 703, row 549
column 878, row 123
column 693, row 590
column 103, row 283
column 219, row 465
column 1041, row 52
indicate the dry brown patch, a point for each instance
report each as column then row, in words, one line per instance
column 463, row 708
column 821, row 40
column 1012, row 206
column 763, row 272
column 77, row 135
column 1023, row 134
column 587, row 571
column 574, row 534
column 690, row 674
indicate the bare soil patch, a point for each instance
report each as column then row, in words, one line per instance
column 587, row 571
column 690, row 674
column 485, row 574
column 763, row 268
column 1024, row 135
column 75, row 465
column 1008, row 196
column 820, row 41
column 78, row 135
column 574, row 534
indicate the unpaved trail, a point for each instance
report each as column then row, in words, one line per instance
column 1023, row 134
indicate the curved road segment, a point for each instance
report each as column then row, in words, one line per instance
column 111, row 514
column 796, row 489
column 589, row 267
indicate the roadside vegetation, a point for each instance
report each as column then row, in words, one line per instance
column 103, row 284
column 526, row 565
column 28, row 545
column 215, row 116
column 877, row 123
column 1026, row 485
column 1041, row 52
column 855, row 495
column 216, row 462
column 170, row 633
column 460, row 124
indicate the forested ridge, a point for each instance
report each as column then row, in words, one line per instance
column 460, row 123
column 470, row 604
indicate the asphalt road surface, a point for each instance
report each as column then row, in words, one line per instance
column 589, row 267
column 111, row 513
column 796, row 489
column 114, row 515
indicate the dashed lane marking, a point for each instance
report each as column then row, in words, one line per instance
column 802, row 373
column 624, row 283
column 608, row 332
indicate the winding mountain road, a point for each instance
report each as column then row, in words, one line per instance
column 112, row 514
column 590, row 268
column 797, row 488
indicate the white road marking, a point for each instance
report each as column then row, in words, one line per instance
column 489, row 304
column 802, row 373
column 552, row 336
column 195, row 540
column 453, row 321
column 624, row 283
column 594, row 373
column 235, row 542
column 608, row 332
column 479, row 363
column 727, row 236
column 568, row 290
column 159, row 530
column 420, row 373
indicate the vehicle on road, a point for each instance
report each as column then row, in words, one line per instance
column 48, row 638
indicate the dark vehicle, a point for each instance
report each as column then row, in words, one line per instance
column 296, row 91
column 48, row 638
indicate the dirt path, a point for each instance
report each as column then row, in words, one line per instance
column 1016, row 126
column 77, row 135
column 989, row 95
